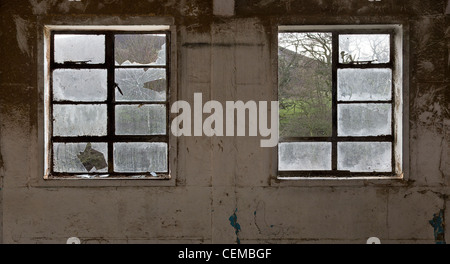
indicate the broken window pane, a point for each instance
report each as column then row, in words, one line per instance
column 364, row 119
column 79, row 120
column 140, row 85
column 140, row 157
column 140, row 119
column 364, row 48
column 79, row 85
column 305, row 84
column 80, row 157
column 304, row 156
column 140, row 49
column 365, row 156
column 364, row 84
column 79, row 49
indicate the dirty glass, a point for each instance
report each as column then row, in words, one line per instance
column 79, row 85
column 364, row 119
column 80, row 157
column 79, row 49
column 364, row 48
column 140, row 119
column 140, row 157
column 305, row 84
column 304, row 156
column 364, row 84
column 140, row 49
column 79, row 120
column 365, row 156
column 140, row 84
column 125, row 118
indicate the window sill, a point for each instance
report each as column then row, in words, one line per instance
column 111, row 181
column 324, row 181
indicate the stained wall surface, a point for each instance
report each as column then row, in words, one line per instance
column 225, row 189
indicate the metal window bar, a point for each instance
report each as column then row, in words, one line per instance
column 334, row 139
column 110, row 138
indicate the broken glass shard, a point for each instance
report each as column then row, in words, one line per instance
column 306, row 156
column 140, row 157
column 79, row 120
column 364, row 119
column 80, row 157
column 140, row 49
column 364, row 48
column 364, row 84
column 79, row 85
column 79, row 49
column 365, row 156
column 140, row 119
column 141, row 84
column 91, row 158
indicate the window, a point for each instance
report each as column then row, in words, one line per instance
column 107, row 97
column 340, row 97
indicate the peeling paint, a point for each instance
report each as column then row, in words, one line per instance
column 426, row 65
column 438, row 224
column 235, row 225
column 22, row 35
column 431, row 106
column 68, row 5
column 41, row 7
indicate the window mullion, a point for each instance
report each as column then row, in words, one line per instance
column 109, row 47
column 393, row 99
column 334, row 61
column 50, row 122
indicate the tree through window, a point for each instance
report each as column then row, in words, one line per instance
column 337, row 99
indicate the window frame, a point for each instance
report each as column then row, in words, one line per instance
column 398, row 118
column 109, row 65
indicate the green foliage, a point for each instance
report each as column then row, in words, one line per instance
column 305, row 79
column 305, row 117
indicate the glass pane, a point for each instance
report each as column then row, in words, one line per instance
column 79, row 120
column 364, row 84
column 140, row 119
column 140, row 49
column 306, row 156
column 80, row 157
column 364, row 48
column 141, row 85
column 305, row 84
column 140, row 157
column 364, row 119
column 79, row 49
column 79, row 85
column 365, row 156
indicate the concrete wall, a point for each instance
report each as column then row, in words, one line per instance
column 224, row 191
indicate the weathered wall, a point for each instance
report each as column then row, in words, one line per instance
column 225, row 190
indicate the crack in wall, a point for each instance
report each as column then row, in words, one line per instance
column 256, row 222
column 440, row 160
